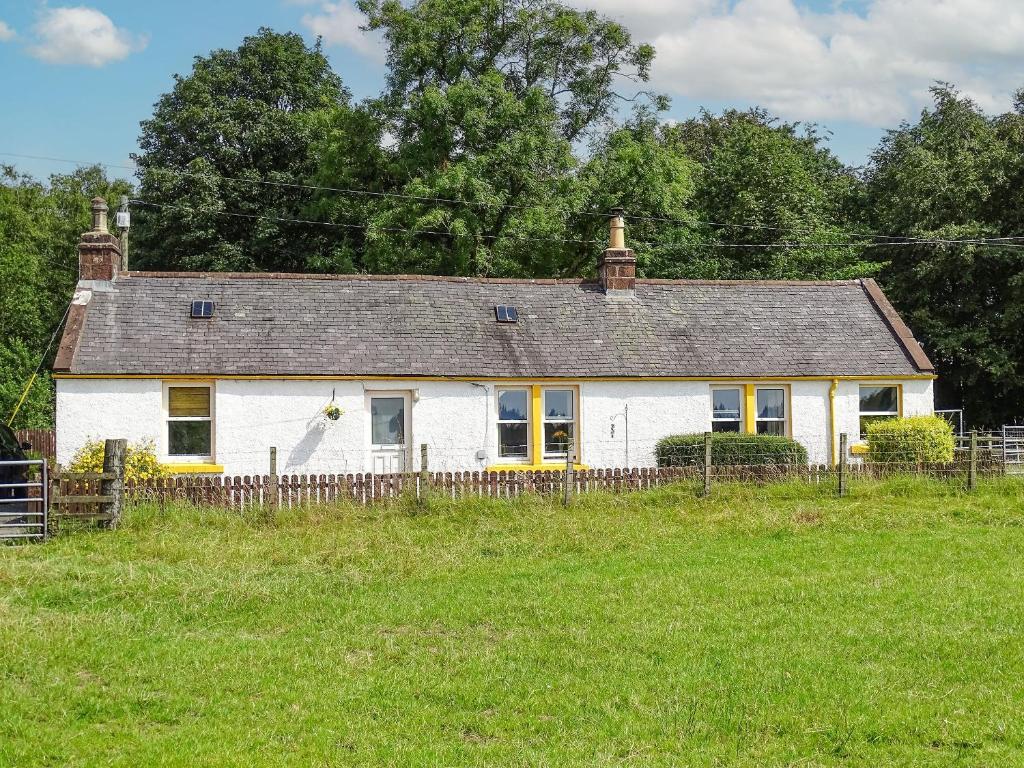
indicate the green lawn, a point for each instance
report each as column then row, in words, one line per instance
column 759, row 627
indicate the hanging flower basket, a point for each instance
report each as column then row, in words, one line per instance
column 333, row 412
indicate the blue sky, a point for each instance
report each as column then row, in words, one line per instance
column 79, row 78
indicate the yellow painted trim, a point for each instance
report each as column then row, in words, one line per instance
column 832, row 421
column 750, row 409
column 515, row 379
column 554, row 466
column 536, row 422
column 195, row 469
column 860, row 449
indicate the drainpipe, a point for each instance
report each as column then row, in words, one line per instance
column 832, row 420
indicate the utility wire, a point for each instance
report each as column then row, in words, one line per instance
column 474, row 236
column 35, row 374
column 895, row 239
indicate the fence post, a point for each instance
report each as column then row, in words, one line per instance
column 707, row 463
column 844, row 440
column 569, row 479
column 275, row 489
column 972, row 472
column 424, row 475
column 113, row 462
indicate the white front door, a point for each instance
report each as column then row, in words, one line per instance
column 389, row 427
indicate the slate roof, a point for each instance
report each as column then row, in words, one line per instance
column 413, row 325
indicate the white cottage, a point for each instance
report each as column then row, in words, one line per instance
column 352, row 373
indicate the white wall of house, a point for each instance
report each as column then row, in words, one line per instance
column 456, row 419
column 96, row 409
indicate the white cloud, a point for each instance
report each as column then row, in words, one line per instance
column 6, row 33
column 82, row 35
column 340, row 24
column 872, row 67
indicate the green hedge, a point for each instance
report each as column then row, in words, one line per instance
column 729, row 449
column 916, row 439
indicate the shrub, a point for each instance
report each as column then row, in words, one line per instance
column 729, row 449
column 915, row 439
column 140, row 462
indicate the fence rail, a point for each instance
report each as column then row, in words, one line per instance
column 23, row 500
column 289, row 491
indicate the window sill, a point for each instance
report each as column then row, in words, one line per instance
column 195, row 469
column 547, row 467
column 859, row 449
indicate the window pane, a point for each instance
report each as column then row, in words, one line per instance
column 558, row 403
column 188, row 401
column 557, row 437
column 725, row 426
column 512, row 441
column 513, row 405
column 725, row 404
column 189, row 438
column 771, row 404
column 879, row 399
column 387, row 420
column 771, row 428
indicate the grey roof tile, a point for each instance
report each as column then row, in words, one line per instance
column 275, row 325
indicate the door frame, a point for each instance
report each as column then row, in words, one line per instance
column 407, row 426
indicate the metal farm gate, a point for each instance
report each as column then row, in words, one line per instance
column 24, row 487
column 1013, row 449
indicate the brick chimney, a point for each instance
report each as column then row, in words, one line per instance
column 99, row 252
column 617, row 270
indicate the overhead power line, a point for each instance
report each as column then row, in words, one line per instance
column 890, row 239
column 475, row 236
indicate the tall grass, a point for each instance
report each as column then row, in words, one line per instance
column 756, row 627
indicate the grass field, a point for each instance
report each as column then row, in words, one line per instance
column 754, row 628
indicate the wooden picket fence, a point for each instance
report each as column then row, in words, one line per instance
column 288, row 491
column 43, row 441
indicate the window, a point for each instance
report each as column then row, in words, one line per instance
column 387, row 420
column 189, row 423
column 559, row 422
column 514, row 423
column 771, row 411
column 877, row 404
column 202, row 309
column 506, row 314
column 725, row 409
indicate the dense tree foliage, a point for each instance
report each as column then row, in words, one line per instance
column 240, row 118
column 39, row 230
column 956, row 174
column 505, row 133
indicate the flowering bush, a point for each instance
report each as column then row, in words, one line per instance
column 910, row 440
column 140, row 462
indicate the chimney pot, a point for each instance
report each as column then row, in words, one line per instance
column 99, row 214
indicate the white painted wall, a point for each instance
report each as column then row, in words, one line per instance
column 456, row 419
column 95, row 409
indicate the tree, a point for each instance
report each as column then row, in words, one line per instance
column 761, row 182
column 955, row 174
column 241, row 118
column 485, row 100
column 39, row 231
column 654, row 183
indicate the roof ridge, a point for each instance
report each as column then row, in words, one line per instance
column 458, row 279
column 358, row 277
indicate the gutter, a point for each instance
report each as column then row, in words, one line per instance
column 832, row 421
